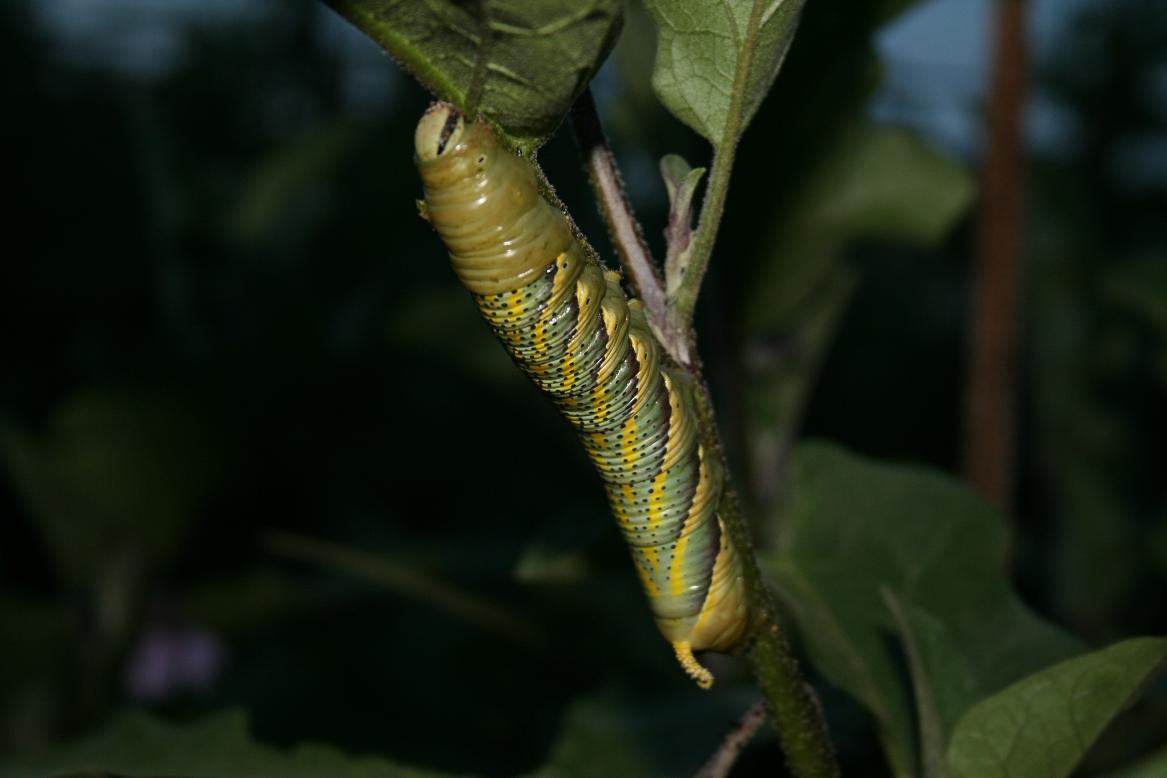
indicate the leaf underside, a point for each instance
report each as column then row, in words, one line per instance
column 701, row 47
column 531, row 59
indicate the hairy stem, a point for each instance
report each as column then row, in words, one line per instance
column 794, row 707
column 625, row 230
column 722, row 762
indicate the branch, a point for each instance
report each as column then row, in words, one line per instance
column 721, row 762
column 622, row 225
column 794, row 708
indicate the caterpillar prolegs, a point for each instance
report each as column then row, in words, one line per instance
column 567, row 323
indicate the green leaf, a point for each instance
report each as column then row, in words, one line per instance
column 874, row 182
column 716, row 59
column 1043, row 725
column 681, row 184
column 136, row 746
column 933, row 663
column 856, row 530
column 535, row 58
column 870, row 182
column 680, row 180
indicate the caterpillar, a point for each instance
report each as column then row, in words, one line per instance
column 567, row 324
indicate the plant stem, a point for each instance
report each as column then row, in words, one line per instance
column 794, row 707
column 625, row 230
column 683, row 304
column 722, row 762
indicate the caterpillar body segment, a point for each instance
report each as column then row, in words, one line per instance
column 568, row 325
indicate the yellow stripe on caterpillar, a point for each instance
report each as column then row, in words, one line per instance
column 568, row 324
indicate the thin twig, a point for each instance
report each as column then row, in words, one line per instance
column 722, row 762
column 622, row 224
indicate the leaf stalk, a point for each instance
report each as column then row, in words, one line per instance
column 683, row 304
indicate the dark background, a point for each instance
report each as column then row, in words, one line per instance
column 257, row 451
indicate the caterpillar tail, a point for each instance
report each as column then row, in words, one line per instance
column 691, row 666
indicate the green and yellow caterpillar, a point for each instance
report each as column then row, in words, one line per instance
column 567, row 323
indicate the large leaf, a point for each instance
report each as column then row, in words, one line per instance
column 934, row 664
column 858, row 534
column 218, row 747
column 716, row 59
column 1043, row 725
column 536, row 57
column 874, row 182
column 871, row 182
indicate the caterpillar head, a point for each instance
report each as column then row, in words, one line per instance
column 439, row 131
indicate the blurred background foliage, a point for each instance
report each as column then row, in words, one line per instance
column 257, row 452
